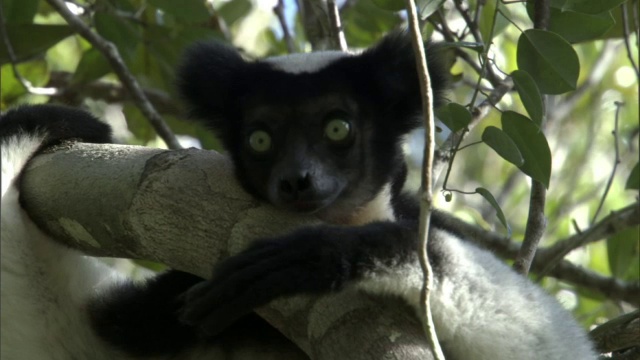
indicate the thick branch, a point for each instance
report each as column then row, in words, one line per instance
column 315, row 20
column 184, row 208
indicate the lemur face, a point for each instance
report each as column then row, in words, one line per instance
column 302, row 156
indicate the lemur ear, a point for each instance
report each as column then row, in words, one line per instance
column 392, row 74
column 211, row 78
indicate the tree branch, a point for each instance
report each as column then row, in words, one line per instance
column 315, row 20
column 108, row 91
column 112, row 55
column 536, row 220
column 184, row 208
column 426, row 187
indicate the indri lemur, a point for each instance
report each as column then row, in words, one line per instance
column 318, row 133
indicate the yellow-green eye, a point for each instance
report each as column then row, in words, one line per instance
column 260, row 141
column 337, row 130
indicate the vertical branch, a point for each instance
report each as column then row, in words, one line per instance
column 337, row 33
column 616, row 161
column 426, row 198
column 536, row 221
column 316, row 23
column 112, row 55
column 625, row 28
column 279, row 11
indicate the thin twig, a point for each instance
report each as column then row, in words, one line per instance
column 120, row 68
column 279, row 11
column 614, row 222
column 616, row 160
column 336, row 26
column 108, row 91
column 625, row 28
column 536, row 220
column 426, row 198
column 14, row 63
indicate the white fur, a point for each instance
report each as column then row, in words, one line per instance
column 43, row 285
column 305, row 62
column 483, row 310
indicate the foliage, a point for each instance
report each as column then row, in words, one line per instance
column 580, row 65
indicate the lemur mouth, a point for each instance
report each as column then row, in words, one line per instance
column 307, row 206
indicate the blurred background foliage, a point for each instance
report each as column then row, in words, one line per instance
column 58, row 65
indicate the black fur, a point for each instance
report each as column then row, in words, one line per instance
column 142, row 318
column 378, row 93
column 59, row 123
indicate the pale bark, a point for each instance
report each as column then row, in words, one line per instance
column 184, row 208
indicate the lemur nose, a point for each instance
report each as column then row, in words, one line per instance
column 295, row 184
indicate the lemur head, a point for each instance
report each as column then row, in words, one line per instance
column 312, row 132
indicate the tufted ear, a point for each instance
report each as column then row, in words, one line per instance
column 211, row 79
column 392, row 77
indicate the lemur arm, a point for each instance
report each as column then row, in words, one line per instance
column 312, row 260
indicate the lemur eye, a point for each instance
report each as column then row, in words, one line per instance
column 337, row 130
column 260, row 141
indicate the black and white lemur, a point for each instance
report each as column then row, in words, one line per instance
column 317, row 132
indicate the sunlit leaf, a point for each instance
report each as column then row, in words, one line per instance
column 234, row 10
column 428, row 7
column 29, row 40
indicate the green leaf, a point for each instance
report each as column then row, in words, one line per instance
column 234, row 10
column 549, row 59
column 576, row 27
column 427, row 7
column 189, row 10
column 454, row 116
column 390, row 5
column 591, row 6
column 531, row 143
column 36, row 72
column 19, row 11
column 489, row 197
column 529, row 95
column 501, row 143
column 633, row 182
column 623, row 252
column 486, row 20
column 92, row 66
column 119, row 31
column 617, row 30
column 29, row 40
